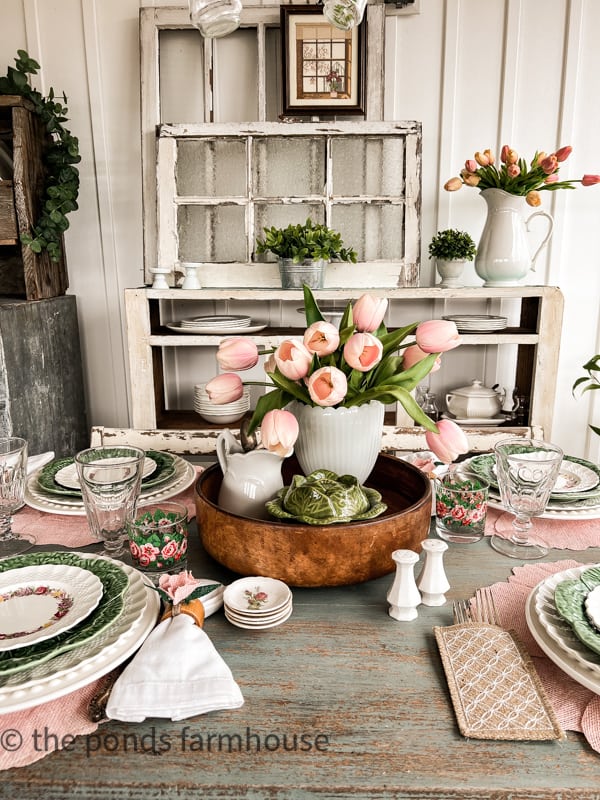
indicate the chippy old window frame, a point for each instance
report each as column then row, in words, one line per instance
column 323, row 66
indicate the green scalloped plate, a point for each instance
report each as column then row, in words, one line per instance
column 165, row 467
column 569, row 598
column 114, row 582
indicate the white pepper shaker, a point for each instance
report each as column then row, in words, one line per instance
column 433, row 582
column 404, row 597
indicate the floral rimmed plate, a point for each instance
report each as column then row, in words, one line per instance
column 39, row 602
column 578, row 479
column 114, row 584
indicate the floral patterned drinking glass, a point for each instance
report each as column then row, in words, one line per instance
column 158, row 537
column 461, row 506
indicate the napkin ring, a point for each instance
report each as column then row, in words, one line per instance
column 194, row 609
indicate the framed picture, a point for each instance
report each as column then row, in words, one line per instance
column 323, row 66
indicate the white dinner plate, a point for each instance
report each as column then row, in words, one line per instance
column 567, row 653
column 591, row 512
column 68, row 477
column 73, row 670
column 39, row 602
column 477, row 421
column 182, row 478
column 206, row 331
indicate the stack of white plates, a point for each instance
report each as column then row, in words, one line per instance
column 227, row 321
column 477, row 323
column 228, row 412
column 257, row 603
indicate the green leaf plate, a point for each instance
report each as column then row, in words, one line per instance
column 569, row 598
column 114, row 582
column 165, row 467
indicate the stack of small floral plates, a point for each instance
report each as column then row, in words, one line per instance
column 257, row 603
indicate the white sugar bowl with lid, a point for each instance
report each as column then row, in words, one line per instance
column 475, row 400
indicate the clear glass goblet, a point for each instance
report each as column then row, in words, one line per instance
column 111, row 480
column 13, row 472
column 527, row 470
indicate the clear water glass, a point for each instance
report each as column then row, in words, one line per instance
column 215, row 18
column 344, row 14
column 527, row 470
column 111, row 481
column 13, row 474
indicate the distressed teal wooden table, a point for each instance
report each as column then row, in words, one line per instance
column 340, row 701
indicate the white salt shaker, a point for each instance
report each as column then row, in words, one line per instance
column 432, row 580
column 404, row 597
column 191, row 280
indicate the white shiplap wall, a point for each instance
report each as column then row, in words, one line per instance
column 476, row 73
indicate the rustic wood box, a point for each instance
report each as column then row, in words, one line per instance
column 41, row 380
column 24, row 273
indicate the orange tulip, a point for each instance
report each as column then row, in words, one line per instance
column 453, row 185
column 482, row 159
column 533, row 198
column 590, row 180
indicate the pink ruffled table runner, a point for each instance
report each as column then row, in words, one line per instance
column 577, row 708
column 66, row 717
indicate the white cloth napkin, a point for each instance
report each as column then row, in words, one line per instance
column 177, row 673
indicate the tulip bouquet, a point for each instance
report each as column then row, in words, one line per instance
column 349, row 366
column 515, row 176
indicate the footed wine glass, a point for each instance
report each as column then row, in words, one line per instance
column 527, row 470
column 13, row 472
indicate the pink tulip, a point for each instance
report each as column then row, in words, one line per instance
column 437, row 336
column 590, row 180
column 563, row 153
column 504, row 153
column 321, row 338
column 549, row 164
column 449, row 443
column 533, row 198
column 368, row 312
column 270, row 364
column 414, row 354
column 363, row 351
column 225, row 388
column 238, row 353
column 471, row 165
column 327, row 386
column 513, row 170
column 279, row 431
column 293, row 359
column 551, row 178
column 453, row 185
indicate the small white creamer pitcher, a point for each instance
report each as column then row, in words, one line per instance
column 249, row 479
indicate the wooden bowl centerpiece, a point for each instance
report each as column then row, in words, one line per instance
column 319, row 555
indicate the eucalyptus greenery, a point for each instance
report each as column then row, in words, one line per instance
column 591, row 381
column 452, row 245
column 61, row 185
column 312, row 240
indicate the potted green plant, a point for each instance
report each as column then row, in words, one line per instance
column 304, row 250
column 451, row 249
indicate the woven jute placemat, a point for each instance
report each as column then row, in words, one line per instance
column 495, row 690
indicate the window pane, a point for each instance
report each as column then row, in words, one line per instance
column 280, row 216
column 288, row 167
column 212, row 233
column 370, row 165
column 374, row 230
column 211, row 168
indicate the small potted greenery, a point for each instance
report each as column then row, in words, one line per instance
column 451, row 249
column 304, row 250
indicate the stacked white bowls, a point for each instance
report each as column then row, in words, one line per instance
column 226, row 413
